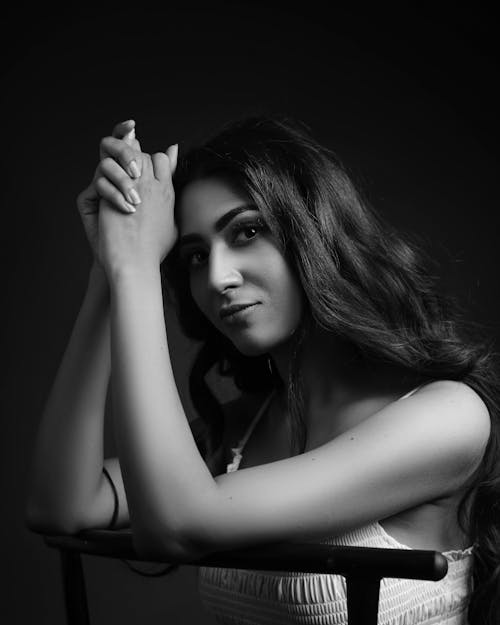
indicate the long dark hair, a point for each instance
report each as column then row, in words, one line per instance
column 363, row 283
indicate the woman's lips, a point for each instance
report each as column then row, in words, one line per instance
column 236, row 312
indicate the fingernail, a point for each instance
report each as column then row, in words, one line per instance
column 130, row 208
column 134, row 170
column 129, row 137
column 133, row 196
column 173, row 152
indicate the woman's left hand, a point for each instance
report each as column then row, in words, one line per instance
column 141, row 240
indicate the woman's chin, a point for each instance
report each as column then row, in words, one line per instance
column 251, row 349
column 252, row 346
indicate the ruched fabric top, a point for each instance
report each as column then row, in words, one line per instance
column 241, row 597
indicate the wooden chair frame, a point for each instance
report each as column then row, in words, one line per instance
column 363, row 567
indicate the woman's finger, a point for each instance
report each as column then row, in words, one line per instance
column 161, row 165
column 172, row 153
column 109, row 192
column 87, row 200
column 126, row 131
column 123, row 128
column 131, row 140
column 120, row 131
column 111, row 170
column 123, row 153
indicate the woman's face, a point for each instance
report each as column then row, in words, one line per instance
column 232, row 260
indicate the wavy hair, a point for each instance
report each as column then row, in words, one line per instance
column 364, row 283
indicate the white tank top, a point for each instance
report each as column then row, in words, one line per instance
column 242, row 597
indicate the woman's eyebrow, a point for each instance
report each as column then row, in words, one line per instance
column 220, row 224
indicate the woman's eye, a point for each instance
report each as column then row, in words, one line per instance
column 194, row 259
column 246, row 232
column 240, row 233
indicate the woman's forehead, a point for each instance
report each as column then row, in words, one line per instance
column 204, row 201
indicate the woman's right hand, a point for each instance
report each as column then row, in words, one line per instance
column 115, row 164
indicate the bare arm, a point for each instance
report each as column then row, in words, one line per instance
column 412, row 452
column 68, row 490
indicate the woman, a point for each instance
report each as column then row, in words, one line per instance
column 365, row 417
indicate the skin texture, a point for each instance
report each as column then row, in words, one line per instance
column 238, row 266
column 412, row 451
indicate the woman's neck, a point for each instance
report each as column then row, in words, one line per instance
column 335, row 376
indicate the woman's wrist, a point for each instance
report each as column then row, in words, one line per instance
column 138, row 272
column 98, row 281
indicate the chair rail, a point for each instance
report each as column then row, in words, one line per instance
column 363, row 567
column 290, row 556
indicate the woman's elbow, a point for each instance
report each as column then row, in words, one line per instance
column 164, row 546
column 41, row 522
column 51, row 527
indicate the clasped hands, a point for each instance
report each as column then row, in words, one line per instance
column 126, row 179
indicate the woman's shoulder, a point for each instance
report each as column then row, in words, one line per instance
column 456, row 392
column 460, row 403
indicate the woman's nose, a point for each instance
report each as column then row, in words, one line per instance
column 223, row 270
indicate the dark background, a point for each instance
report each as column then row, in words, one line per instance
column 408, row 100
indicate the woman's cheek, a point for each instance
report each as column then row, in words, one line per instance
column 199, row 299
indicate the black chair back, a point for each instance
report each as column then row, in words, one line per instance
column 363, row 567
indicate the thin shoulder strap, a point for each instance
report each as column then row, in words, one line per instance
column 238, row 450
column 255, row 420
column 414, row 390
